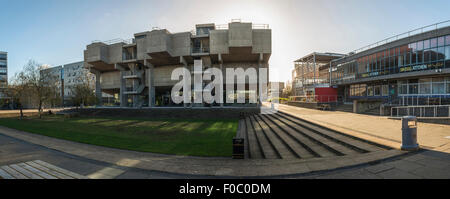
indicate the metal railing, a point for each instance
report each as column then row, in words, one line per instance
column 200, row 50
column 115, row 41
column 421, row 111
column 317, row 99
column 254, row 26
column 404, row 35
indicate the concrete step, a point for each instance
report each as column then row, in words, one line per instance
column 316, row 147
column 254, row 150
column 267, row 150
column 338, row 147
column 347, row 141
column 280, row 145
column 300, row 149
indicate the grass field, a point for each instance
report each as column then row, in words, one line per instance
column 168, row 136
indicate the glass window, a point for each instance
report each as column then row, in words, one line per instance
column 426, row 56
column 377, row 90
column 447, row 52
column 419, row 56
column 426, row 44
column 441, row 53
column 402, row 87
column 433, row 43
column 420, row 45
column 425, row 86
column 441, row 41
column 413, row 88
column 433, row 54
column 413, row 46
column 438, row 86
column 385, row 90
column 448, row 85
column 370, row 91
column 414, row 58
column 447, row 40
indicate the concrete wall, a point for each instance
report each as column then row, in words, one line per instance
column 240, row 35
column 163, row 75
column 159, row 41
column 96, row 52
column 262, row 41
column 181, row 44
column 109, row 80
column 214, row 113
column 219, row 42
column 115, row 53
column 141, row 46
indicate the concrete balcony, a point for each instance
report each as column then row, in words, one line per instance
column 138, row 91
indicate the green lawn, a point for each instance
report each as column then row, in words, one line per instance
column 168, row 136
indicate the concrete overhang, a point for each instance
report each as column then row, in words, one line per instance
column 320, row 57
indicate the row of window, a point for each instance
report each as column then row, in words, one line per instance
column 424, row 86
column 3, row 56
column 363, row 90
column 422, row 55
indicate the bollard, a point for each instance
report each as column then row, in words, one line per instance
column 409, row 133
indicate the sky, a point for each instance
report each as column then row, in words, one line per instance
column 55, row 32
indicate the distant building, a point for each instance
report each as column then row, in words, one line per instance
column 3, row 76
column 67, row 76
column 275, row 91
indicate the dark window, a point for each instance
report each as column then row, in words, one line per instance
column 441, row 41
column 441, row 53
column 420, row 45
column 426, row 56
column 426, row 44
column 433, row 43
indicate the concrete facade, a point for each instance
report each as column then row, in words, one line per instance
column 138, row 71
column 65, row 77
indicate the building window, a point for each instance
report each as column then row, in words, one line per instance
column 369, row 90
column 402, row 87
column 413, row 86
column 433, row 43
column 448, row 84
column 385, row 90
column 377, row 90
column 441, row 41
column 438, row 86
column 425, row 86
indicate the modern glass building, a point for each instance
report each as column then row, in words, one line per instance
column 410, row 69
column 3, row 74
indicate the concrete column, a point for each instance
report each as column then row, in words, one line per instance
column 98, row 88
column 123, row 97
column 221, row 69
column 151, row 85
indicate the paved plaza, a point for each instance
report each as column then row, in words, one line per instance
column 367, row 160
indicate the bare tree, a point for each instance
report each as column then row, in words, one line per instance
column 82, row 93
column 17, row 91
column 40, row 84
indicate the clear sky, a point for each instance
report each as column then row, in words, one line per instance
column 56, row 32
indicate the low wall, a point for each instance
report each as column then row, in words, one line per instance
column 199, row 113
column 312, row 105
column 444, row 121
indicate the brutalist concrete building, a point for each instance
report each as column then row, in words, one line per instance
column 138, row 71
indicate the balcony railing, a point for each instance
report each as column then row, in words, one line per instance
column 200, row 50
column 115, row 41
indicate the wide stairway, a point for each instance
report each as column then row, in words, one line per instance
column 283, row 136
